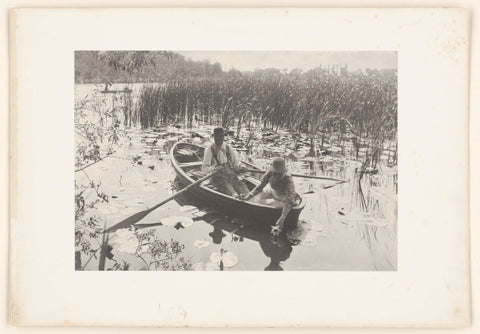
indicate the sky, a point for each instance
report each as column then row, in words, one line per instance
column 304, row 60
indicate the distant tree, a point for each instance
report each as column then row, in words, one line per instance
column 129, row 62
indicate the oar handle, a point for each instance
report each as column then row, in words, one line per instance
column 183, row 190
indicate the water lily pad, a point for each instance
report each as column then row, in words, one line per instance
column 126, row 240
column 201, row 243
column 210, row 266
column 228, row 258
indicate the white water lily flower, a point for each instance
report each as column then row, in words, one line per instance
column 185, row 221
column 188, row 208
column 170, row 220
column 199, row 213
column 228, row 258
column 201, row 243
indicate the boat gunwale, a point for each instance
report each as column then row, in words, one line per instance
column 177, row 168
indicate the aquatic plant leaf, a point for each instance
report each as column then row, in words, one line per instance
column 210, row 266
column 126, row 241
column 226, row 257
column 201, row 243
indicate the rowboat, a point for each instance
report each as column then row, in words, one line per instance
column 187, row 161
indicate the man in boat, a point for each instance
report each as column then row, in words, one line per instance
column 280, row 188
column 222, row 158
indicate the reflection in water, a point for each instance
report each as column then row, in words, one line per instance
column 277, row 249
column 217, row 235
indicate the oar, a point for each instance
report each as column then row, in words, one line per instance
column 127, row 222
column 252, row 165
column 301, row 175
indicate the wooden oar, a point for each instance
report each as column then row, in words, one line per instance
column 301, row 175
column 251, row 165
column 127, row 222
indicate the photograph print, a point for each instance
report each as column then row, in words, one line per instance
column 236, row 160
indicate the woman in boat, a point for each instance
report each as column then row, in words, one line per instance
column 221, row 157
column 280, row 188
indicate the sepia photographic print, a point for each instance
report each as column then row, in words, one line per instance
column 239, row 160
column 245, row 140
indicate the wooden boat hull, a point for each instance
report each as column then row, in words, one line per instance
column 262, row 214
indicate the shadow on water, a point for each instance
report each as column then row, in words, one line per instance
column 130, row 221
column 277, row 249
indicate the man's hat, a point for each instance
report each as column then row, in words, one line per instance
column 278, row 165
column 218, row 132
